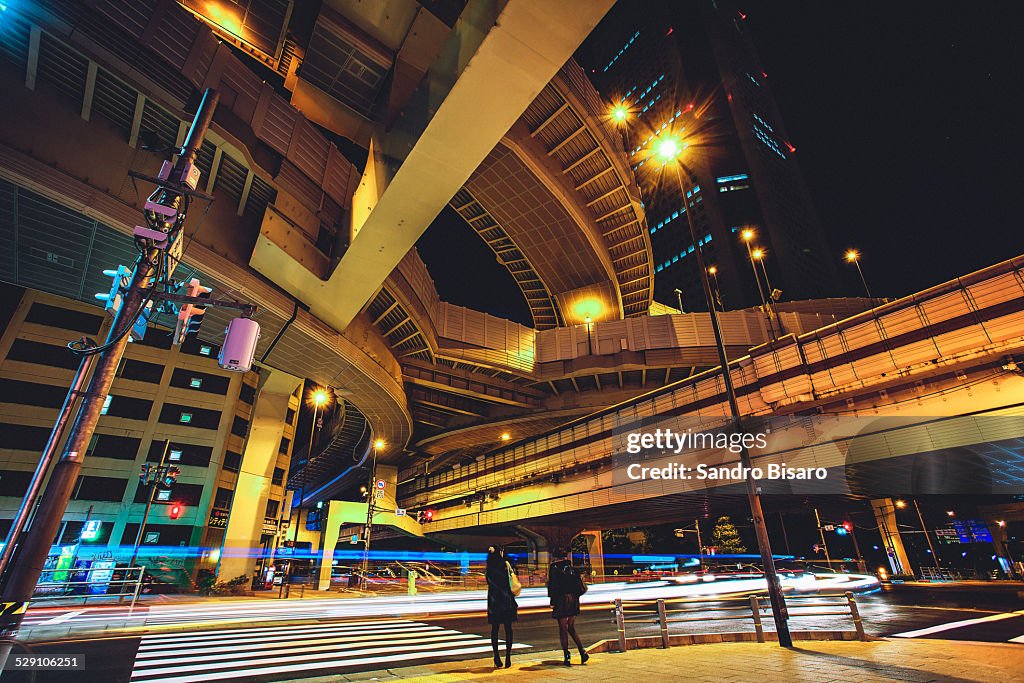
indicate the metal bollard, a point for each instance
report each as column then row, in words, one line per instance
column 620, row 624
column 855, row 613
column 755, row 610
column 663, row 622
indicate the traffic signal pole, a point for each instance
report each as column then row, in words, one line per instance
column 149, row 501
column 33, row 550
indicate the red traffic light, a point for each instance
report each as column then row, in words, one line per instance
column 848, row 526
column 428, row 515
column 175, row 511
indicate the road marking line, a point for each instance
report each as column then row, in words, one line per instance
column 322, row 641
column 62, row 618
column 1018, row 639
column 957, row 624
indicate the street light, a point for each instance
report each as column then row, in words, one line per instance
column 371, row 495
column 747, row 235
column 713, row 272
column 668, row 149
column 679, row 298
column 853, row 256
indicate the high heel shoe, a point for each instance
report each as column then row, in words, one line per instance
column 568, row 658
column 508, row 661
column 497, row 662
column 584, row 657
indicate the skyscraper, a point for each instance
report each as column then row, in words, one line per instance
column 689, row 69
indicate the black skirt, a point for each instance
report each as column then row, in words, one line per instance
column 565, row 605
column 501, row 606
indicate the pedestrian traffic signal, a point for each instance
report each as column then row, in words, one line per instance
column 175, row 511
column 190, row 315
column 848, row 526
column 424, row 516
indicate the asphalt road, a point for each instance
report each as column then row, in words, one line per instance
column 249, row 652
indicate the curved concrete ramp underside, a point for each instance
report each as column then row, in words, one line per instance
column 305, row 347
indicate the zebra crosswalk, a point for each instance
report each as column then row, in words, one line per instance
column 994, row 628
column 281, row 652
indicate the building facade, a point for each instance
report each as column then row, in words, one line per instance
column 164, row 397
column 689, row 69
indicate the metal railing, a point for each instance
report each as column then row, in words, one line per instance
column 752, row 608
column 112, row 582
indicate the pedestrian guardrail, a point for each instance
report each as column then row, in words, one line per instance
column 112, row 582
column 754, row 609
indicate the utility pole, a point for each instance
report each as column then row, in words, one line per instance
column 924, row 529
column 775, row 596
column 821, row 531
column 164, row 210
column 36, row 484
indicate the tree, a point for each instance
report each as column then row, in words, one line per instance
column 726, row 538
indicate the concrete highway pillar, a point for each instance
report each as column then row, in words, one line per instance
column 249, row 504
column 885, row 515
column 339, row 513
column 595, row 549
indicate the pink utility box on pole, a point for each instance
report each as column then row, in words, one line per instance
column 239, row 348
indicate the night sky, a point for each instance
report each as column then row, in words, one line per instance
column 907, row 121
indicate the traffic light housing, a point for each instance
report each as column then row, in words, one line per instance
column 175, row 511
column 190, row 316
column 847, row 526
column 170, row 476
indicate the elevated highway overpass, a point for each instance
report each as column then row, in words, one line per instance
column 932, row 377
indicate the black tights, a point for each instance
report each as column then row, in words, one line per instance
column 508, row 640
column 566, row 628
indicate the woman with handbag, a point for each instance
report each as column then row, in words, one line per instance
column 565, row 586
column 502, row 588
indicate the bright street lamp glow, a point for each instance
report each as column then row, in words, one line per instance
column 378, row 444
column 620, row 113
column 747, row 234
column 851, row 255
column 668, row 149
column 505, row 436
column 757, row 254
column 901, row 504
column 712, row 270
column 320, row 397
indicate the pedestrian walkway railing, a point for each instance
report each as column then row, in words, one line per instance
column 936, row 574
column 751, row 609
column 90, row 584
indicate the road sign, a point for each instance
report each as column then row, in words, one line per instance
column 399, row 512
column 91, row 530
column 378, row 494
column 381, row 484
column 354, row 539
column 829, row 527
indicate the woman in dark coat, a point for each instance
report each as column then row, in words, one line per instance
column 565, row 586
column 501, row 604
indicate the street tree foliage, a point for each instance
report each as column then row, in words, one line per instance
column 726, row 539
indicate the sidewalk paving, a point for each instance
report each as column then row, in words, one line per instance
column 812, row 661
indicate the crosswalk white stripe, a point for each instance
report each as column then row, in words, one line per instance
column 271, row 652
column 242, row 642
column 1018, row 639
column 351, row 625
column 248, row 672
column 957, row 624
column 147, row 652
column 311, row 660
